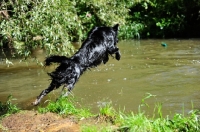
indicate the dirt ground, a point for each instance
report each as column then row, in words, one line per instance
column 31, row 121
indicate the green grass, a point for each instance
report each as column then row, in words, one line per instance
column 142, row 123
column 65, row 106
column 7, row 108
column 109, row 120
column 127, row 122
column 95, row 128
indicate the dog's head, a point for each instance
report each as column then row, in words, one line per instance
column 101, row 33
column 115, row 29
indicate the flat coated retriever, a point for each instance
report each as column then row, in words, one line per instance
column 100, row 43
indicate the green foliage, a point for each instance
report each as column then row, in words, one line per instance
column 181, row 123
column 54, row 25
column 126, row 122
column 95, row 128
column 89, row 128
column 134, row 122
column 140, row 122
column 64, row 106
column 34, row 24
column 130, row 31
column 107, row 113
column 161, row 18
column 107, row 110
column 99, row 13
column 7, row 107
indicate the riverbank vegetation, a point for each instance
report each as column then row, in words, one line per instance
column 7, row 108
column 114, row 120
column 54, row 25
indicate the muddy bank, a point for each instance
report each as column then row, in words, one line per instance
column 34, row 122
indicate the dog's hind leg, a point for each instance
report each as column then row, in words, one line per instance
column 68, row 86
column 45, row 92
column 67, row 90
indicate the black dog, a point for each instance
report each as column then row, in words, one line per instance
column 101, row 43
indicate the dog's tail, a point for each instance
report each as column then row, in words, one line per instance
column 55, row 59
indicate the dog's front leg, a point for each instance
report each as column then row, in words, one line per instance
column 117, row 55
column 106, row 58
column 115, row 50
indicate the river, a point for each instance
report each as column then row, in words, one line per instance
column 171, row 74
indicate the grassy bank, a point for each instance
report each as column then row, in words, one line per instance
column 114, row 120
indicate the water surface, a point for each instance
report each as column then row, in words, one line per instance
column 171, row 73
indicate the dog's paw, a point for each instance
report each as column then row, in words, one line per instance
column 105, row 60
column 117, row 56
column 36, row 102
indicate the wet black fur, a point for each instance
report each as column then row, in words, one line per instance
column 100, row 43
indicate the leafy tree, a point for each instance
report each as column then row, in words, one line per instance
column 54, row 24
column 166, row 19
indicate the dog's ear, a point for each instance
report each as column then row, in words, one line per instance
column 116, row 27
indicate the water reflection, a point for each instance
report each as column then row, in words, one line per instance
column 171, row 73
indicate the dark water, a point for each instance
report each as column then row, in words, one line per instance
column 171, row 73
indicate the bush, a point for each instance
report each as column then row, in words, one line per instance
column 167, row 19
column 39, row 24
column 54, row 24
